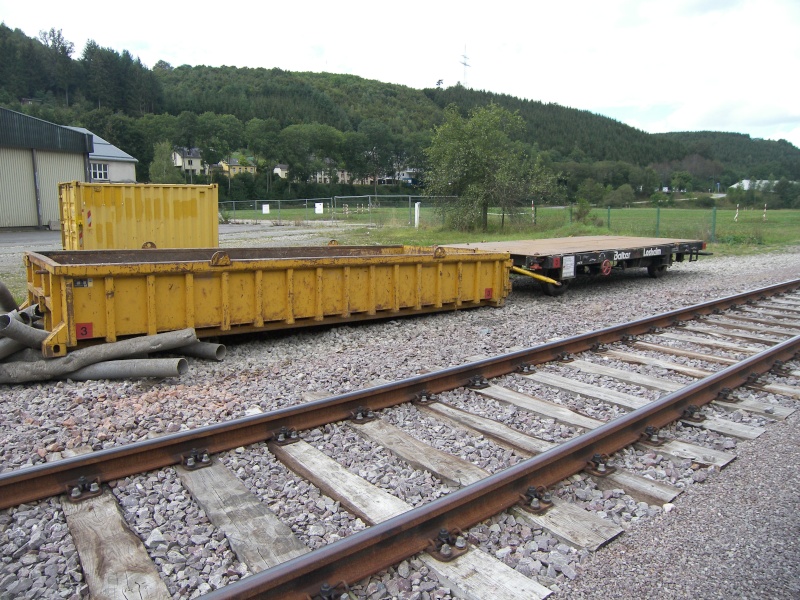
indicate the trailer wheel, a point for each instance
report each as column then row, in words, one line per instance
column 555, row 290
column 656, row 271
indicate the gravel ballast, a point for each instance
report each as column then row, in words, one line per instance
column 733, row 535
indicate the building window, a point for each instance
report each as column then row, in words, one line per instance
column 99, row 171
column 190, row 162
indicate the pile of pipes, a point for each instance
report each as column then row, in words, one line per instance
column 21, row 360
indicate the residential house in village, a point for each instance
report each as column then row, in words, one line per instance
column 281, row 170
column 232, row 167
column 107, row 163
column 189, row 161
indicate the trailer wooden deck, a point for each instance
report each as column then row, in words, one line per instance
column 558, row 261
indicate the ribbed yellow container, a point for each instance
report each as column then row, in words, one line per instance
column 118, row 216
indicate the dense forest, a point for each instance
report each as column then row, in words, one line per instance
column 319, row 121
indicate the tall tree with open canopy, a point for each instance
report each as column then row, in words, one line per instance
column 162, row 170
column 481, row 161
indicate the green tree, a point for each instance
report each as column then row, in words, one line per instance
column 682, row 181
column 162, row 170
column 479, row 161
column 60, row 67
column 591, row 191
column 622, row 196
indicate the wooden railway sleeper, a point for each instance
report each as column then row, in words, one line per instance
column 536, row 500
column 449, row 544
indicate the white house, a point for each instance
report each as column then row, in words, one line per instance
column 107, row 163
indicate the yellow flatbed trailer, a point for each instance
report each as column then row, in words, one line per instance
column 556, row 262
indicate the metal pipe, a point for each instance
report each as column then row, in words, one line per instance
column 206, row 350
column 12, row 327
column 7, row 302
column 131, row 369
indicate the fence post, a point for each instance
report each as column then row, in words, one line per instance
column 570, row 214
column 279, row 212
column 609, row 217
column 658, row 219
column 713, row 224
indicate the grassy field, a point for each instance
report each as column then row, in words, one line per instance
column 392, row 221
column 750, row 232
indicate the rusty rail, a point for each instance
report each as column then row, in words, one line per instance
column 377, row 548
column 42, row 481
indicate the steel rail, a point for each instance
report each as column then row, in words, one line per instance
column 49, row 479
column 388, row 543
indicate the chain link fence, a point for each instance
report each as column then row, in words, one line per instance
column 709, row 224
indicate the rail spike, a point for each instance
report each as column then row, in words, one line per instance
column 599, row 466
column 196, row 459
column 83, row 489
column 449, row 544
column 651, row 436
column 536, row 500
column 362, row 415
column 285, row 436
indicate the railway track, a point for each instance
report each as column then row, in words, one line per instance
column 571, row 409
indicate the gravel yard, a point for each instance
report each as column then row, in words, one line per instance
column 735, row 535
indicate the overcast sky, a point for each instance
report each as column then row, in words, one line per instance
column 658, row 65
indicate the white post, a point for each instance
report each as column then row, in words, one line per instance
column 416, row 214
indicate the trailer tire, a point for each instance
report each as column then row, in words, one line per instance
column 656, row 271
column 554, row 290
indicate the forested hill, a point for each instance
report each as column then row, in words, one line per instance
column 740, row 152
column 344, row 101
column 117, row 97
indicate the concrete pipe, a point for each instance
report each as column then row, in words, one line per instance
column 206, row 350
column 25, row 355
column 9, row 347
column 58, row 368
column 12, row 327
column 131, row 369
column 7, row 302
